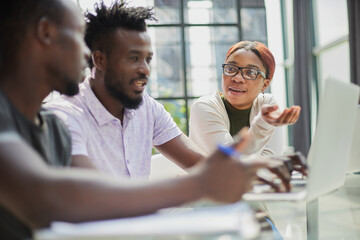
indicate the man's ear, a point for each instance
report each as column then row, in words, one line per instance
column 45, row 31
column 266, row 84
column 99, row 60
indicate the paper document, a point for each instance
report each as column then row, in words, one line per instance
column 237, row 218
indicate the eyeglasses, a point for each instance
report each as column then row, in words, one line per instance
column 246, row 72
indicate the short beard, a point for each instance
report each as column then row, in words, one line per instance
column 70, row 86
column 114, row 90
column 71, row 89
column 125, row 100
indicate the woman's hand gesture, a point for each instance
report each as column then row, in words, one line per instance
column 272, row 115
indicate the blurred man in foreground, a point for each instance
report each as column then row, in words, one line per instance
column 41, row 50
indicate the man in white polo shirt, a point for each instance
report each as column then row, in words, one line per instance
column 114, row 123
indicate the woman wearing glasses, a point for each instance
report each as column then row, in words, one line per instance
column 247, row 72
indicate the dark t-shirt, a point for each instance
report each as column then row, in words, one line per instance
column 51, row 140
column 238, row 118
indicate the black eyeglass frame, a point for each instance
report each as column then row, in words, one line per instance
column 242, row 73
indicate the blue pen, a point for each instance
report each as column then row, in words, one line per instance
column 229, row 151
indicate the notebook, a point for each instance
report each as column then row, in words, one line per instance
column 330, row 149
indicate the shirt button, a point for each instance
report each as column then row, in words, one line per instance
column 127, row 161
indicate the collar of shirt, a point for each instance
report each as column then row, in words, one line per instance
column 99, row 112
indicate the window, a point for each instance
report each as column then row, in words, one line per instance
column 331, row 49
column 331, row 43
column 321, row 27
column 190, row 42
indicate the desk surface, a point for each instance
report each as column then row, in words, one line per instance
column 339, row 214
column 200, row 221
column 339, row 218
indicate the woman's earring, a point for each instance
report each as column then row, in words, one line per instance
column 263, row 96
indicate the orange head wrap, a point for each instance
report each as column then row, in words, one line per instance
column 261, row 51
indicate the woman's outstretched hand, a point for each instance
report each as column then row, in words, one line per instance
column 272, row 115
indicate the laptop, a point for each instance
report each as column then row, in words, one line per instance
column 354, row 162
column 330, row 149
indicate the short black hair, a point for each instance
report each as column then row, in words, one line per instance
column 106, row 20
column 17, row 17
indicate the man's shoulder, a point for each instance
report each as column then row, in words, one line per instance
column 52, row 120
column 149, row 104
column 8, row 113
column 59, row 138
column 152, row 110
column 4, row 103
column 68, row 105
column 148, row 100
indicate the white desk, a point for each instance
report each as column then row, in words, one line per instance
column 338, row 216
column 234, row 221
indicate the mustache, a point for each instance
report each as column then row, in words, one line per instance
column 141, row 77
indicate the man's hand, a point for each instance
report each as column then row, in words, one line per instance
column 281, row 168
column 275, row 117
column 276, row 175
column 298, row 163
